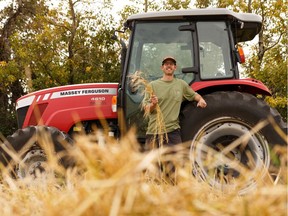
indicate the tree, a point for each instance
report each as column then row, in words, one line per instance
column 268, row 61
column 66, row 45
column 176, row 5
column 15, row 16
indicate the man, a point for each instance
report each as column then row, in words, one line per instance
column 168, row 93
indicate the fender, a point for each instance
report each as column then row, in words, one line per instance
column 247, row 85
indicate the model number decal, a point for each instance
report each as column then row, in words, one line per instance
column 98, row 99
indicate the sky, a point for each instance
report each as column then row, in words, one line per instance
column 2, row 4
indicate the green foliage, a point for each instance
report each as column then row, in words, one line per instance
column 268, row 61
column 273, row 73
column 68, row 47
column 176, row 5
column 10, row 90
column 16, row 18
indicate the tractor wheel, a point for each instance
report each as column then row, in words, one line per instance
column 32, row 145
column 225, row 144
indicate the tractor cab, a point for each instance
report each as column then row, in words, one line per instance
column 203, row 41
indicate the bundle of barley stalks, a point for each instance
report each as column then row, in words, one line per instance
column 113, row 177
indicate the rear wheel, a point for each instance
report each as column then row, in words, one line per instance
column 225, row 150
column 32, row 145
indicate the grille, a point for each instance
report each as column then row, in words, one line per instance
column 21, row 114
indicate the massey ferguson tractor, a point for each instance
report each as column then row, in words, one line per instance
column 205, row 43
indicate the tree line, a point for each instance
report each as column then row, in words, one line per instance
column 44, row 43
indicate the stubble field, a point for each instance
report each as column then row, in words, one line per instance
column 113, row 177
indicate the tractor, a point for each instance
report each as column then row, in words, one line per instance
column 237, row 123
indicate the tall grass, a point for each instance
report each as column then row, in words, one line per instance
column 113, row 177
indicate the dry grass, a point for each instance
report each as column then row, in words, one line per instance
column 113, row 177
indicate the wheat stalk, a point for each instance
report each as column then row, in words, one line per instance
column 118, row 179
column 136, row 81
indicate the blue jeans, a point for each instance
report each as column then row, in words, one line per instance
column 153, row 141
column 174, row 137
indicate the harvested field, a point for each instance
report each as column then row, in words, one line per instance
column 113, row 177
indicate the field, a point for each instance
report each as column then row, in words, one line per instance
column 113, row 177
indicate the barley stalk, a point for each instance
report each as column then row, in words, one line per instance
column 118, row 179
column 136, row 81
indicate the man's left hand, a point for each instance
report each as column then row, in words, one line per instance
column 201, row 103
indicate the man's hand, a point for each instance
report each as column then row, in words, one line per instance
column 153, row 100
column 152, row 105
column 201, row 102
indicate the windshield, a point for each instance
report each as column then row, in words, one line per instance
column 153, row 41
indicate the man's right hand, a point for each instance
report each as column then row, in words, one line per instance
column 153, row 99
column 152, row 105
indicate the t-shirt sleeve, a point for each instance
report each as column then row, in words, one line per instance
column 188, row 92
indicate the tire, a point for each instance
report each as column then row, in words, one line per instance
column 29, row 144
column 228, row 118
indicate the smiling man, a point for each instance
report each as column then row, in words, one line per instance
column 168, row 92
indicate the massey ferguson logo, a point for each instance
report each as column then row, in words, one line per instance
column 84, row 92
column 79, row 92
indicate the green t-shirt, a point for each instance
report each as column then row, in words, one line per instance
column 170, row 96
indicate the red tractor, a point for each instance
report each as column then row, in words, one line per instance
column 205, row 44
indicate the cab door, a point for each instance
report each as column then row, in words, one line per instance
column 150, row 43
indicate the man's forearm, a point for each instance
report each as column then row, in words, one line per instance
column 198, row 97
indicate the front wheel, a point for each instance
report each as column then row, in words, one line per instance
column 27, row 150
column 227, row 150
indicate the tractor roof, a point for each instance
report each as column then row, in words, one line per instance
column 206, row 13
column 248, row 24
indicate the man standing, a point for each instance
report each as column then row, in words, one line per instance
column 168, row 93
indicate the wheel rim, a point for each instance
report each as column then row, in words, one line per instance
column 217, row 162
column 33, row 165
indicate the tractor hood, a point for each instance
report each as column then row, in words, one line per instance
column 67, row 103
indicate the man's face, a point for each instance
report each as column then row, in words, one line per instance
column 168, row 67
